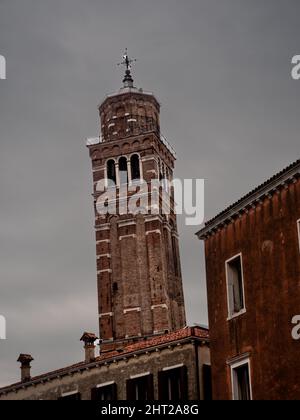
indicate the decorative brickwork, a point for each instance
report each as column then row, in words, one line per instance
column 139, row 276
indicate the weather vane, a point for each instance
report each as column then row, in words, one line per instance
column 127, row 61
column 128, row 80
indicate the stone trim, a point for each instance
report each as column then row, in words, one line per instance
column 106, row 314
column 127, row 236
column 137, row 309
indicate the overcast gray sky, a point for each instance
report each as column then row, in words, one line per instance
column 221, row 70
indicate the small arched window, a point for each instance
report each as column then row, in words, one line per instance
column 135, row 167
column 120, row 112
column 160, row 170
column 123, row 170
column 111, row 171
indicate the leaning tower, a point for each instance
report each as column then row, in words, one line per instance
column 139, row 279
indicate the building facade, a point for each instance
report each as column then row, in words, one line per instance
column 146, row 350
column 253, row 276
column 172, row 367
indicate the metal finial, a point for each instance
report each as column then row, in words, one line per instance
column 127, row 62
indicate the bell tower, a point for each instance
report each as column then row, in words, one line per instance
column 140, row 290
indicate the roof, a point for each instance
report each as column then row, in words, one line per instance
column 251, row 199
column 188, row 333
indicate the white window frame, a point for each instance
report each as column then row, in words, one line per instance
column 244, row 310
column 105, row 384
column 233, row 367
column 140, row 375
column 168, row 368
column 68, row 394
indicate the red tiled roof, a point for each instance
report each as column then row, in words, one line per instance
column 185, row 333
column 164, row 339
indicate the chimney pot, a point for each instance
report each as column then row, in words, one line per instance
column 89, row 346
column 25, row 360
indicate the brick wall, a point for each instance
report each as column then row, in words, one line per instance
column 140, row 289
column 267, row 237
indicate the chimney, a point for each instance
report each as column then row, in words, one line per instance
column 25, row 360
column 89, row 346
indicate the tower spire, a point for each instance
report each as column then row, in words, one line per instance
column 127, row 62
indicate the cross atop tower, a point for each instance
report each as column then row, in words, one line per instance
column 127, row 62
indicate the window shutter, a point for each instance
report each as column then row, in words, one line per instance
column 130, row 390
column 162, row 387
column 150, row 388
column 183, row 383
column 94, row 394
column 114, row 392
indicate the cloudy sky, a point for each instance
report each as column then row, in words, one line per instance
column 221, row 70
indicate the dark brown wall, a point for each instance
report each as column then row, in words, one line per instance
column 268, row 239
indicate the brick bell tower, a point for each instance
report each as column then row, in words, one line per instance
column 140, row 290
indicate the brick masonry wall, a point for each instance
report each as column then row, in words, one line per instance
column 138, row 263
column 267, row 237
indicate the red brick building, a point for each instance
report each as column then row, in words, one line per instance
column 138, row 264
column 253, row 283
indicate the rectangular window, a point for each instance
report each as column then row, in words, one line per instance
column 173, row 384
column 104, row 392
column 74, row 396
column 241, row 382
column 235, row 286
column 140, row 388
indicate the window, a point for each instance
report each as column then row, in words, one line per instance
column 160, row 170
column 173, row 384
column 241, row 382
column 105, row 392
column 123, row 170
column 111, row 171
column 235, row 286
column 140, row 388
column 135, row 167
column 73, row 396
column 120, row 112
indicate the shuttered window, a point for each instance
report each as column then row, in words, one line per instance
column 173, row 384
column 140, row 389
column 71, row 397
column 104, row 393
